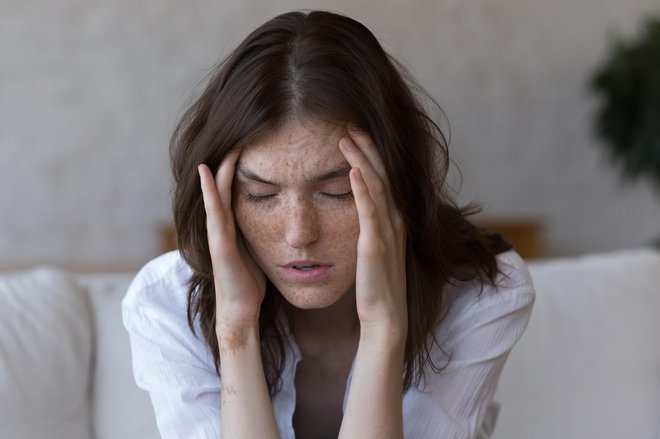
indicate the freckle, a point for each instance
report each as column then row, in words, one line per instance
column 225, row 393
column 229, row 390
column 230, row 344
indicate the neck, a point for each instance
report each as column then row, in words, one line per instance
column 339, row 321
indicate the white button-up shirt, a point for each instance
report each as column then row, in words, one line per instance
column 177, row 369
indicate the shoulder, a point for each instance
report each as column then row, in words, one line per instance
column 166, row 353
column 514, row 279
column 167, row 268
column 483, row 322
column 513, row 290
column 160, row 287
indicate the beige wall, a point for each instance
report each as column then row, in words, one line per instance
column 90, row 91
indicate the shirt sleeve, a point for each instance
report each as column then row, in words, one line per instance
column 171, row 363
column 474, row 345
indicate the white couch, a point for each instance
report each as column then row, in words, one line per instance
column 587, row 367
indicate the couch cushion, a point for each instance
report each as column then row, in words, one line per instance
column 120, row 408
column 45, row 356
column 588, row 365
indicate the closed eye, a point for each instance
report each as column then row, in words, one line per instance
column 258, row 198
column 345, row 196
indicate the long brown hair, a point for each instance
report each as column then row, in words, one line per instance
column 332, row 67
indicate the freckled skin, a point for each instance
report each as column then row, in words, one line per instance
column 233, row 343
column 300, row 222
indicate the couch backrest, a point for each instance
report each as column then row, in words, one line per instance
column 119, row 408
column 588, row 365
column 46, row 350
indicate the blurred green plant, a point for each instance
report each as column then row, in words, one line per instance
column 628, row 83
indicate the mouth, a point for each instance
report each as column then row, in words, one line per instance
column 306, row 271
column 305, row 264
column 305, row 267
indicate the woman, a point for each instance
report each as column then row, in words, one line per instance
column 326, row 285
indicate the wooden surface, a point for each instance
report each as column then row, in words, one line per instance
column 526, row 235
column 167, row 238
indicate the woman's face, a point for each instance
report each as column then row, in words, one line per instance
column 293, row 203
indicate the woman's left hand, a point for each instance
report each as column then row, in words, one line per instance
column 381, row 254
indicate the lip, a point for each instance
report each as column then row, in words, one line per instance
column 320, row 272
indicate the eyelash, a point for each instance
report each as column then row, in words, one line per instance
column 257, row 198
column 261, row 198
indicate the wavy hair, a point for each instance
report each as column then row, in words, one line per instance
column 324, row 65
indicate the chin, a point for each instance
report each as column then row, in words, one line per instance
column 311, row 298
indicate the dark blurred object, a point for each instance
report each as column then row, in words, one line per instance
column 168, row 240
column 628, row 121
column 524, row 234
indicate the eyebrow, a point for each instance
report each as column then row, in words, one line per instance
column 341, row 171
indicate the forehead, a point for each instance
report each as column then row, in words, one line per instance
column 296, row 145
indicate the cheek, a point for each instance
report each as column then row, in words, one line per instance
column 257, row 223
column 342, row 229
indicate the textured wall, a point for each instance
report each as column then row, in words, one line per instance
column 90, row 91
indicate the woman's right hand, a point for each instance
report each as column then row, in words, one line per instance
column 240, row 285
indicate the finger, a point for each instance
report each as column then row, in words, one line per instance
column 212, row 204
column 366, row 144
column 357, row 159
column 379, row 193
column 224, row 179
column 219, row 221
column 367, row 209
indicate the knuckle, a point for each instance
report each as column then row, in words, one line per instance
column 361, row 162
column 389, row 235
column 370, row 210
column 221, row 250
column 397, row 223
column 374, row 247
column 368, row 142
column 379, row 188
column 380, row 246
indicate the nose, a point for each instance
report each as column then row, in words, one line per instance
column 302, row 224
